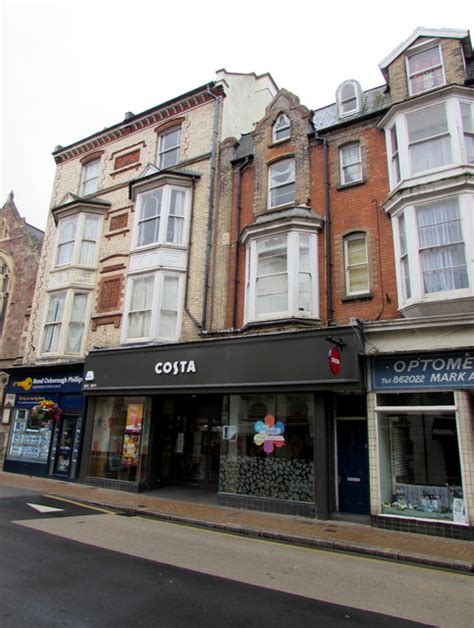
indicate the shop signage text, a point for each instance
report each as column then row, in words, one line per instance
column 58, row 382
column 453, row 370
column 175, row 368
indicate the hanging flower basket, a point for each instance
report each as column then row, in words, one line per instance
column 47, row 410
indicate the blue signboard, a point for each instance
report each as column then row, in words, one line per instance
column 432, row 371
column 47, row 381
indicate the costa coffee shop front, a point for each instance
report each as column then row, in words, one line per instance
column 252, row 418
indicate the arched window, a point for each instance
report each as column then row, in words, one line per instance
column 281, row 128
column 349, row 98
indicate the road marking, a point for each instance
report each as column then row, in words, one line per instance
column 44, row 509
column 81, row 504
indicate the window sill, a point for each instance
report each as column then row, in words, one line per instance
column 282, row 322
column 279, row 142
column 357, row 297
column 352, row 184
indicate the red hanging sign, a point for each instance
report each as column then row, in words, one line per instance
column 335, row 361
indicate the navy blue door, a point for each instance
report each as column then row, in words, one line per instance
column 353, row 467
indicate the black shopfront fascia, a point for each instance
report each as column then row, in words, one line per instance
column 295, row 361
column 285, row 362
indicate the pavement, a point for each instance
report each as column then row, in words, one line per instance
column 343, row 536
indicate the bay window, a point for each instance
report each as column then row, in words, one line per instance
column 281, row 276
column 432, row 242
column 281, row 183
column 77, row 240
column 63, row 330
column 161, row 216
column 153, row 307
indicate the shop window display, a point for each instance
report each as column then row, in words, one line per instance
column 31, row 437
column 118, row 447
column 268, row 447
column 420, row 468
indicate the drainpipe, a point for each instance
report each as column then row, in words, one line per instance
column 186, row 307
column 210, row 212
column 237, row 240
column 327, row 215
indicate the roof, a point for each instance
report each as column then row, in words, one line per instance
column 245, row 147
column 422, row 31
column 376, row 100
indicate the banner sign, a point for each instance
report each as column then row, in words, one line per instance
column 434, row 370
column 45, row 382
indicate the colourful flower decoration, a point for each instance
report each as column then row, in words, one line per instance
column 269, row 434
column 47, row 410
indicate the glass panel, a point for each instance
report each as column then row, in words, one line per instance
column 442, row 251
column 282, row 187
column 116, row 441
column 176, row 217
column 281, row 130
column 141, row 300
column 420, row 471
column 467, row 113
column 427, row 122
column 357, row 268
column 169, row 148
column 272, row 255
column 66, row 236
column 272, row 294
column 169, row 308
column 430, row 154
column 30, row 438
column 76, row 326
column 267, row 447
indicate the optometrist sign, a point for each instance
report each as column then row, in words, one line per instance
column 434, row 370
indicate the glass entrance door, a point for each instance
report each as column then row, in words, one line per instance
column 64, row 450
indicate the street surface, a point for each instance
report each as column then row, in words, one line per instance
column 63, row 564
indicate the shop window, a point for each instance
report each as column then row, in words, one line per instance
column 281, row 129
column 153, row 309
column 356, row 264
column 420, row 471
column 425, row 70
column 63, row 330
column 77, row 240
column 90, row 177
column 30, row 438
column 250, row 465
column 168, row 148
column 161, row 216
column 281, row 183
column 281, row 277
column 117, row 451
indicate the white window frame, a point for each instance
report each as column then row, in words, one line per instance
column 282, row 125
column 77, row 241
column 455, row 131
column 292, row 271
column 412, row 75
column 65, row 323
column 275, row 186
column 159, row 277
column 356, row 97
column 164, row 217
column 394, row 155
column 415, row 292
column 429, row 139
column 87, row 179
column 162, row 152
column 467, row 132
column 348, row 266
column 344, row 166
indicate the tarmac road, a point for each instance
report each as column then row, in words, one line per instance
column 81, row 567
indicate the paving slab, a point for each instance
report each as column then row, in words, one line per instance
column 341, row 536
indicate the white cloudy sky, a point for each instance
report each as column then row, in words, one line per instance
column 73, row 67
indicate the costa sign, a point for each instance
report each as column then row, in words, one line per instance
column 335, row 361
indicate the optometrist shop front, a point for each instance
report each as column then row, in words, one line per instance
column 44, row 407
column 422, row 419
column 252, row 419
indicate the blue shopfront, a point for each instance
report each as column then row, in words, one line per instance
column 45, row 408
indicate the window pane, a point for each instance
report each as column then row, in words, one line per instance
column 282, row 172
column 56, row 308
column 442, row 249
column 282, row 186
column 427, row 123
column 272, row 256
column 176, row 217
column 90, row 177
column 425, row 70
column 67, row 229
column 281, row 129
column 170, row 140
column 169, row 148
column 351, row 163
column 304, row 254
column 76, row 326
column 467, row 113
column 357, row 270
column 170, row 158
column 90, row 228
column 272, row 294
column 431, row 154
column 87, row 253
column 64, row 253
column 142, row 293
column 139, row 324
column 304, row 292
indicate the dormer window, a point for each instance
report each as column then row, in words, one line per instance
column 349, row 98
column 281, row 128
column 425, row 70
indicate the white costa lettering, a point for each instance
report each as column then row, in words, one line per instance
column 175, row 368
